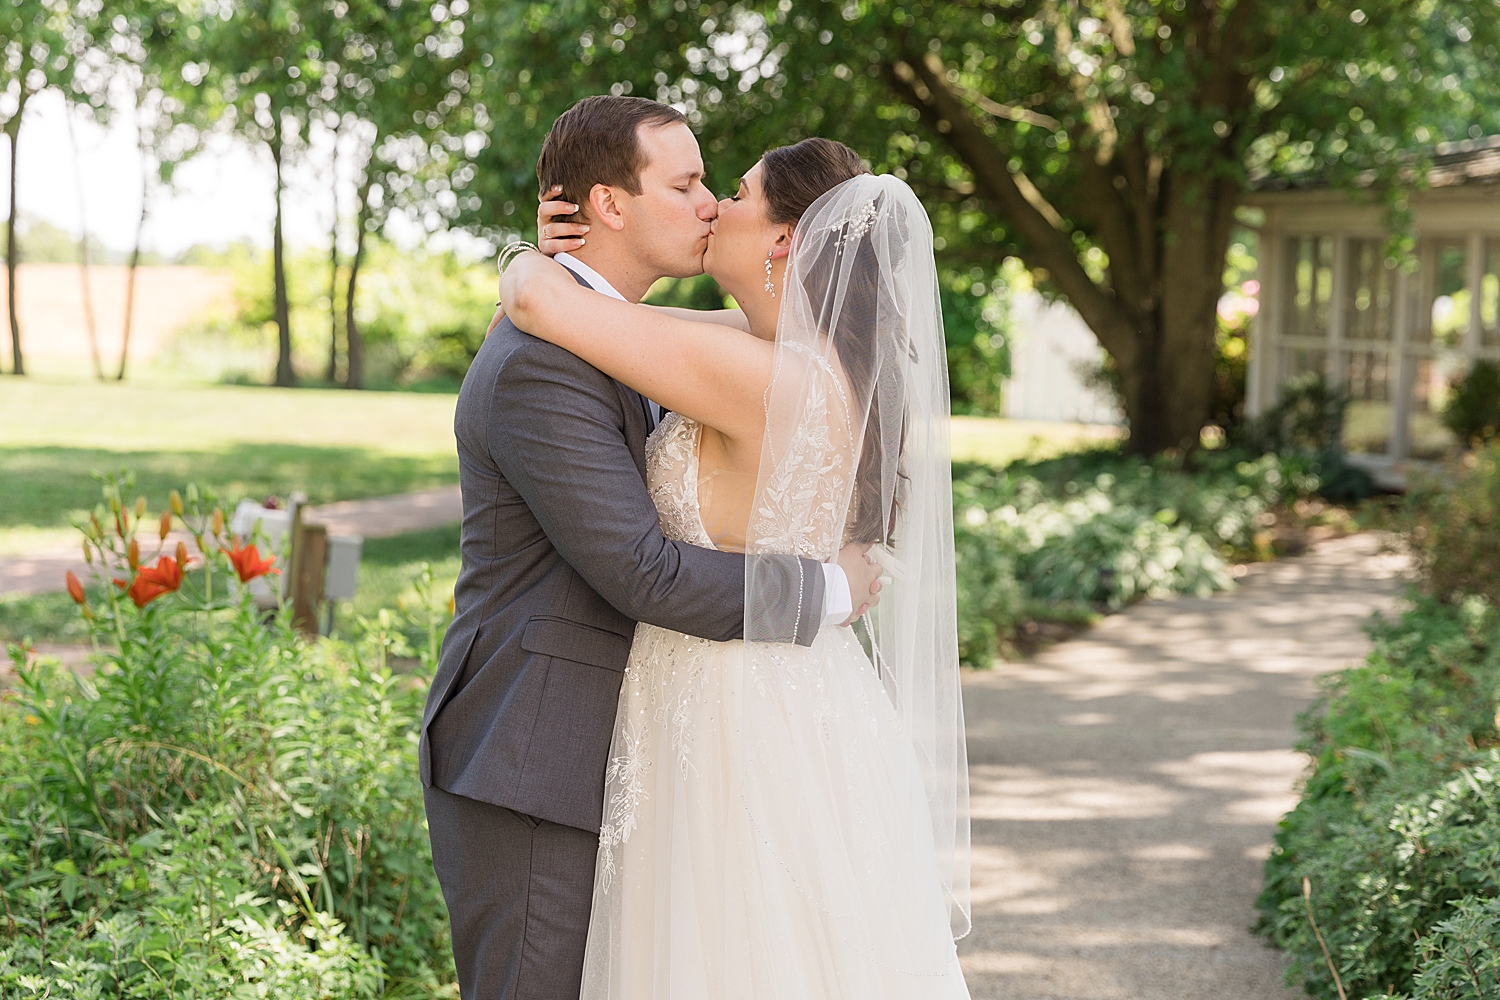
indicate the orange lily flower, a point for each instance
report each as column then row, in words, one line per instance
column 248, row 563
column 153, row 581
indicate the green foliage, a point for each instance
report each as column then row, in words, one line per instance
column 976, row 327
column 1450, row 525
column 1308, row 419
column 1400, row 818
column 1461, row 958
column 221, row 810
column 1398, row 829
column 422, row 315
column 1103, row 528
column 1473, row 410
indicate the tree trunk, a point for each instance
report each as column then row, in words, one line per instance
column 333, row 272
column 135, row 252
column 135, row 261
column 354, row 343
column 12, row 248
column 83, row 253
column 1165, row 237
column 284, row 374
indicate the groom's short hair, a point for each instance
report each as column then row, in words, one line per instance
column 596, row 141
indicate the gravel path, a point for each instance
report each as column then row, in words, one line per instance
column 1127, row 784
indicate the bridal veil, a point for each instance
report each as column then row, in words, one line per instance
column 857, row 449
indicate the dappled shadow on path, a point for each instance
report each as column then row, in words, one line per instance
column 1126, row 785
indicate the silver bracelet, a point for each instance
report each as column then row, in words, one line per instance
column 511, row 250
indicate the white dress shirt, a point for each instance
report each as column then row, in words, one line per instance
column 838, row 603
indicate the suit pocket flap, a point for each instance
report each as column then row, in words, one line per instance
column 577, row 642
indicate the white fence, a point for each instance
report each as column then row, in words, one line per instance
column 1051, row 349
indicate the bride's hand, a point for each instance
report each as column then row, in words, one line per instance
column 864, row 575
column 554, row 234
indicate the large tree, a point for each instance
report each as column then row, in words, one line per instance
column 395, row 74
column 147, row 50
column 1107, row 143
column 35, row 53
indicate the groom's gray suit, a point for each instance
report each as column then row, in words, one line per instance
column 562, row 555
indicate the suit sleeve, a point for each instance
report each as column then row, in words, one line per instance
column 556, row 432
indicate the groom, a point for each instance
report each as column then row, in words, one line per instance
column 562, row 556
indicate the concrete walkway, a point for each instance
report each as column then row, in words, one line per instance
column 1126, row 785
column 44, row 570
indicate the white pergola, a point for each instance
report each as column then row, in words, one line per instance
column 1394, row 335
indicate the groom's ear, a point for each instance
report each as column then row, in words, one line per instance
column 604, row 206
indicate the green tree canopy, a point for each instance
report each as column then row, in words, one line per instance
column 1106, row 143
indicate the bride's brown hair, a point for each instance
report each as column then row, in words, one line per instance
column 793, row 177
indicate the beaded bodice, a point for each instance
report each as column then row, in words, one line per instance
column 672, row 478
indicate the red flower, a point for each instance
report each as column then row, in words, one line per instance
column 153, row 581
column 75, row 589
column 248, row 563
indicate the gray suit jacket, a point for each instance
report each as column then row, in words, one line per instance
column 562, row 555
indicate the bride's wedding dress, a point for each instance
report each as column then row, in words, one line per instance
column 766, row 833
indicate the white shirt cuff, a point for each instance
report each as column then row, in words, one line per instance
column 838, row 604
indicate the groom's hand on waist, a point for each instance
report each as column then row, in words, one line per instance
column 863, row 574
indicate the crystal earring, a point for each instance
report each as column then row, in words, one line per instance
column 770, row 287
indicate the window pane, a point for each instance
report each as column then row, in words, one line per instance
column 1489, row 296
column 1296, row 361
column 1429, row 394
column 1367, row 423
column 1367, row 307
column 1311, row 285
column 1445, row 321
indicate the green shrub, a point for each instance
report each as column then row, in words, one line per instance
column 1400, row 817
column 1450, row 524
column 224, row 808
column 1104, row 528
column 1473, row 410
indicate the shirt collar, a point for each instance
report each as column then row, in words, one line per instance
column 596, row 280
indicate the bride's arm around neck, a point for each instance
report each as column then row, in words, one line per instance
column 714, row 374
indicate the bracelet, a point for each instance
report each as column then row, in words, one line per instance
column 511, row 250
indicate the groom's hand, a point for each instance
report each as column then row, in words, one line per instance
column 863, row 574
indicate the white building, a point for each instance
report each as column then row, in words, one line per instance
column 1396, row 336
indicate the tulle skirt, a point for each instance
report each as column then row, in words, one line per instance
column 766, row 833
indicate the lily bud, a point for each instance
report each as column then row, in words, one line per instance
column 174, row 501
column 192, row 496
column 218, row 520
column 140, row 507
column 98, row 528
column 88, row 552
column 182, row 555
column 133, row 553
column 166, row 524
column 75, row 588
column 114, row 505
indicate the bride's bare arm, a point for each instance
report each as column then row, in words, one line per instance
column 714, row 374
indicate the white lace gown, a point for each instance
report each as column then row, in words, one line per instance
column 714, row 770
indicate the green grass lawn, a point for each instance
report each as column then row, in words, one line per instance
column 246, row 441
column 241, row 441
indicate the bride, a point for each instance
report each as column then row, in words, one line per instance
column 787, row 822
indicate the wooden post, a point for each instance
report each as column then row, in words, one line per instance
column 309, row 556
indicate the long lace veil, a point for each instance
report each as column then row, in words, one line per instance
column 857, row 449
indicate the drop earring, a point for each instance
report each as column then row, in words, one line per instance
column 770, row 287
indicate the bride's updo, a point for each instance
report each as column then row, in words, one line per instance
column 793, row 177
